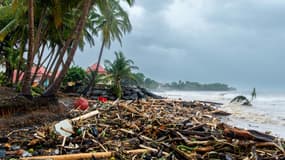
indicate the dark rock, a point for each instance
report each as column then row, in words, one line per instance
column 242, row 100
column 133, row 96
column 150, row 94
column 99, row 92
column 129, row 93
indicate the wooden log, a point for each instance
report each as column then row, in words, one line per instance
column 131, row 109
column 85, row 155
column 153, row 149
column 246, row 134
column 270, row 144
column 238, row 133
column 86, row 116
column 72, row 156
column 183, row 154
column 205, row 149
column 192, row 143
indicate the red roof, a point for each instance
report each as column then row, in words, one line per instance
column 101, row 70
column 40, row 72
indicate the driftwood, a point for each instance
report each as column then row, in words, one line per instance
column 151, row 129
column 85, row 116
column 246, row 134
column 86, row 155
column 132, row 110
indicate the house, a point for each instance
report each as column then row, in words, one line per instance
column 40, row 73
column 101, row 70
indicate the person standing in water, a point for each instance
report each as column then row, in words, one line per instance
column 253, row 94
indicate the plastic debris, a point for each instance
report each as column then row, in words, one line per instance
column 81, row 103
column 2, row 153
column 151, row 129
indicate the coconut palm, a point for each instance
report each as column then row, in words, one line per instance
column 75, row 41
column 113, row 22
column 59, row 26
column 26, row 90
column 118, row 70
column 13, row 33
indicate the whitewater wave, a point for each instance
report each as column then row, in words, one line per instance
column 267, row 112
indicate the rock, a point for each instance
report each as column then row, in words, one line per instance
column 133, row 96
column 99, row 92
column 150, row 94
column 129, row 93
column 241, row 100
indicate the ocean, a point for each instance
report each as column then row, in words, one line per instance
column 267, row 112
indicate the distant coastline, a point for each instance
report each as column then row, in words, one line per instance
column 189, row 86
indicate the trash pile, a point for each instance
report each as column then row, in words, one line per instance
column 146, row 129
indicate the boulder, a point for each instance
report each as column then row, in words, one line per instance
column 129, row 93
column 241, row 100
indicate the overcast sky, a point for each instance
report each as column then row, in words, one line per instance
column 238, row 42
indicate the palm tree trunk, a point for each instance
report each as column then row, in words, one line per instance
column 60, row 58
column 39, row 63
column 78, row 32
column 26, row 89
column 9, row 71
column 50, row 65
column 40, row 32
column 91, row 84
column 22, row 50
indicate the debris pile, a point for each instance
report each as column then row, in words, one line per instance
column 151, row 129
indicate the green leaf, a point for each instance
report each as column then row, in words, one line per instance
column 8, row 29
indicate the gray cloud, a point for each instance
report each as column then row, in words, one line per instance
column 239, row 42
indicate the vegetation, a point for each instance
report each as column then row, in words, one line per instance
column 112, row 22
column 119, row 70
column 59, row 27
column 143, row 81
column 74, row 74
column 180, row 85
column 149, row 83
column 2, row 79
column 99, row 78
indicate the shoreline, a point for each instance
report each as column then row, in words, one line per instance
column 254, row 117
column 164, row 125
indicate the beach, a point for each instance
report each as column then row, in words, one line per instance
column 267, row 112
column 155, row 128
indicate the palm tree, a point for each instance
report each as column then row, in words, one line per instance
column 13, row 34
column 26, row 90
column 76, row 39
column 112, row 22
column 118, row 70
column 59, row 26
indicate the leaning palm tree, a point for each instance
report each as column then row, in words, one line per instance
column 113, row 22
column 118, row 70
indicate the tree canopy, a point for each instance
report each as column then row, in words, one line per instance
column 59, row 27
